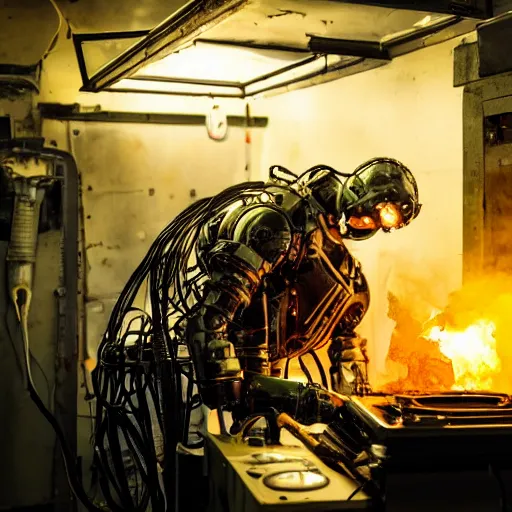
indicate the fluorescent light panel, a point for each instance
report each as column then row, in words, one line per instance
column 205, row 61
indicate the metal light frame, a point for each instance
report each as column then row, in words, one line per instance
column 79, row 39
column 189, row 23
column 239, row 88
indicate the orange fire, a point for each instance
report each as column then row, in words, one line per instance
column 472, row 352
column 465, row 346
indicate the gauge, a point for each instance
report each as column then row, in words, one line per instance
column 296, row 481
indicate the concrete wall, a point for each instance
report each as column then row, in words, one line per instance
column 407, row 110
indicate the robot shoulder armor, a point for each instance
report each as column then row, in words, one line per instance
column 264, row 229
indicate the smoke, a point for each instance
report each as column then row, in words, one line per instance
column 414, row 288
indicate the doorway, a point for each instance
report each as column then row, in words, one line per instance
column 487, row 177
column 497, row 201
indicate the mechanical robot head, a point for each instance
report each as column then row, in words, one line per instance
column 380, row 194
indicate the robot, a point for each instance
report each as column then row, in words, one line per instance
column 237, row 284
column 282, row 282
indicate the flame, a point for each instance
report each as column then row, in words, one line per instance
column 472, row 352
column 463, row 345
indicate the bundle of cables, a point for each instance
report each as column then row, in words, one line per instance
column 137, row 382
column 125, row 428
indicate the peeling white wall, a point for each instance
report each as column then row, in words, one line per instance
column 135, row 179
column 408, row 110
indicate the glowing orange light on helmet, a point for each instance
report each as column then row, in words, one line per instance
column 363, row 222
column 390, row 216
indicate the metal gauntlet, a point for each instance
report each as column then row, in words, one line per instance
column 217, row 366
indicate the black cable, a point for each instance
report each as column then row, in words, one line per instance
column 67, row 455
column 22, row 298
column 118, row 380
column 172, row 285
column 11, row 340
column 32, row 357
column 318, row 168
column 119, row 479
column 323, row 376
column 312, row 170
column 305, row 370
column 117, row 460
column 357, row 491
column 48, row 387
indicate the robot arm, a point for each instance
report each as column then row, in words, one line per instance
column 348, row 354
column 349, row 364
column 236, row 273
column 254, row 242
